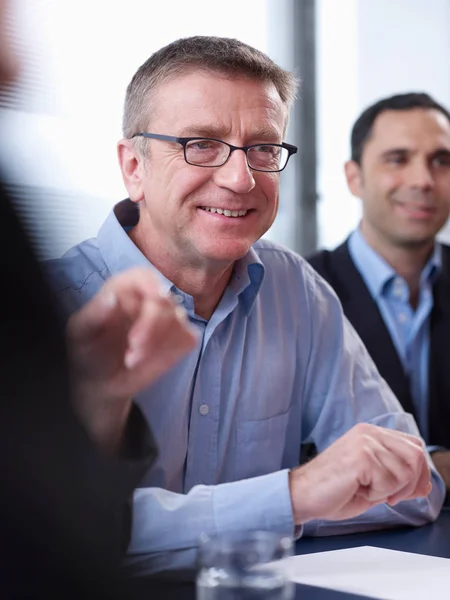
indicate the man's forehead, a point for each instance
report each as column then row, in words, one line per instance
column 397, row 125
column 208, row 99
column 197, row 79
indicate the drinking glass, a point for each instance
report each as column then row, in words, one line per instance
column 243, row 567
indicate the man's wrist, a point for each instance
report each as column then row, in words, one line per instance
column 104, row 419
column 300, row 512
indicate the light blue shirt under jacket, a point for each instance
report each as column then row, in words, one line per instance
column 276, row 365
column 408, row 328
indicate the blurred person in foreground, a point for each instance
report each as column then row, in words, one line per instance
column 276, row 364
column 72, row 449
column 392, row 275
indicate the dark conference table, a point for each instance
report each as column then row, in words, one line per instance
column 432, row 539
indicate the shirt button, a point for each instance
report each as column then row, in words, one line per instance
column 398, row 288
column 402, row 318
column 178, row 298
column 204, row 409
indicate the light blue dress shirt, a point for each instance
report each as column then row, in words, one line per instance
column 409, row 328
column 276, row 365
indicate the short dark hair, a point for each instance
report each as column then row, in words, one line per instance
column 362, row 128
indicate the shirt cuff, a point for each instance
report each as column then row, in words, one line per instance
column 432, row 449
column 259, row 503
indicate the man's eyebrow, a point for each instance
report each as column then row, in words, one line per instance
column 393, row 151
column 202, row 131
column 265, row 134
column 441, row 152
column 407, row 151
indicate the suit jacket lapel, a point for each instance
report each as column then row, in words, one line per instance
column 363, row 313
column 439, row 369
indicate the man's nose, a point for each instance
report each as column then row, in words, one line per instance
column 235, row 174
column 420, row 175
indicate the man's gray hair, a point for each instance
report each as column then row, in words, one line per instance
column 226, row 56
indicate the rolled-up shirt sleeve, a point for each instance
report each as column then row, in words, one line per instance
column 344, row 388
column 165, row 521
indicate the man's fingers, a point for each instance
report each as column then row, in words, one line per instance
column 90, row 320
column 390, row 476
column 411, row 450
column 129, row 334
column 397, row 466
column 161, row 328
column 377, row 431
column 120, row 297
column 383, row 473
column 154, row 313
column 422, row 488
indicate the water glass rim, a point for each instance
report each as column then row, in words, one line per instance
column 245, row 536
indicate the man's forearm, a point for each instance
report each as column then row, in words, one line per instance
column 105, row 420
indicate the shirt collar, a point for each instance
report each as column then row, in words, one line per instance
column 434, row 266
column 120, row 253
column 247, row 278
column 377, row 273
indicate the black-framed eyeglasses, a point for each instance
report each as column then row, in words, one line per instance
column 209, row 152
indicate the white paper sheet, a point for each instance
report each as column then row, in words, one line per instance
column 373, row 572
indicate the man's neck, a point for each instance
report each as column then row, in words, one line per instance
column 206, row 286
column 205, row 282
column 407, row 261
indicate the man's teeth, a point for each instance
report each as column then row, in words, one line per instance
column 226, row 212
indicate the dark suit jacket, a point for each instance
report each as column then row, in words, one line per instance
column 338, row 269
column 64, row 522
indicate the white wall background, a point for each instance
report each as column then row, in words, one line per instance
column 84, row 52
column 368, row 49
column 82, row 56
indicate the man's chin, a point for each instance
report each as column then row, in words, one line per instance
column 228, row 252
column 417, row 242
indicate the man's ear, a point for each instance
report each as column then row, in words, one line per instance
column 132, row 167
column 353, row 175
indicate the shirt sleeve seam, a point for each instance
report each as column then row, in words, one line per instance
column 79, row 287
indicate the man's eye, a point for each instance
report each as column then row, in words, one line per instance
column 274, row 150
column 396, row 160
column 202, row 145
column 441, row 161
